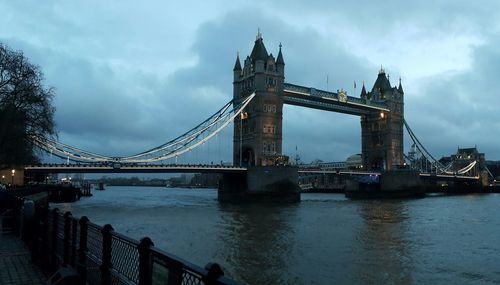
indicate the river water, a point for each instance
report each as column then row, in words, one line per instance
column 324, row 239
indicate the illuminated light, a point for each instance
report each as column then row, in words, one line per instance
column 382, row 115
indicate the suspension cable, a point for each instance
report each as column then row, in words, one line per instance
column 186, row 142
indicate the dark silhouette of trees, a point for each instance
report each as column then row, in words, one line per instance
column 26, row 109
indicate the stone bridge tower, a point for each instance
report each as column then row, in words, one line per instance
column 382, row 132
column 258, row 132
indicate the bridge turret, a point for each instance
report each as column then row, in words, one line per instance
column 237, row 68
column 363, row 92
column 259, row 54
column 280, row 63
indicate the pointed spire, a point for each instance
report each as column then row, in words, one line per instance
column 259, row 35
column 237, row 65
column 400, row 87
column 280, row 60
column 382, row 83
column 381, row 71
column 363, row 91
column 259, row 51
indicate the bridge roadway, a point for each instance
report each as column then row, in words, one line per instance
column 430, row 176
column 202, row 168
column 167, row 168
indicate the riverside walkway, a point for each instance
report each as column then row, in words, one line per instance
column 37, row 242
column 15, row 262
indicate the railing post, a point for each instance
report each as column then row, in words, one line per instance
column 145, row 266
column 66, row 240
column 53, row 243
column 74, row 229
column 42, row 242
column 82, row 249
column 35, row 236
column 106, row 254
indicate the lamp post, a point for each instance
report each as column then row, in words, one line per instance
column 3, row 179
column 243, row 115
column 241, row 137
column 13, row 173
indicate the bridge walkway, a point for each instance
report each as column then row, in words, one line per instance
column 15, row 261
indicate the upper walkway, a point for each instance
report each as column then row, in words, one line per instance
column 329, row 101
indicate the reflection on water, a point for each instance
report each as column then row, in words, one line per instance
column 257, row 241
column 383, row 243
column 325, row 239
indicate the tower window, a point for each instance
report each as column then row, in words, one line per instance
column 269, row 129
column 271, row 81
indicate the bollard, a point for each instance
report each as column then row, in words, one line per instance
column 145, row 266
column 82, row 250
column 106, row 254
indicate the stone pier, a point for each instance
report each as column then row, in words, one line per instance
column 261, row 184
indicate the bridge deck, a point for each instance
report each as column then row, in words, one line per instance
column 135, row 169
column 360, row 173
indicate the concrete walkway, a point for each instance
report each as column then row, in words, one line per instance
column 15, row 262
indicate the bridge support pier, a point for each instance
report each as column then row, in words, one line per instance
column 392, row 184
column 261, row 184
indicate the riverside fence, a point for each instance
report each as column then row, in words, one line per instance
column 93, row 254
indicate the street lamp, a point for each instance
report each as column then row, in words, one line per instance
column 3, row 179
column 243, row 115
column 241, row 137
column 13, row 173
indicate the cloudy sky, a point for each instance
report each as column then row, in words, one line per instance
column 130, row 75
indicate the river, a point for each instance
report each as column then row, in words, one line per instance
column 324, row 239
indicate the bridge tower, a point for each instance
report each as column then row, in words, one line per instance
column 382, row 132
column 258, row 132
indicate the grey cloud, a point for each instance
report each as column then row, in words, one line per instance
column 461, row 109
column 119, row 111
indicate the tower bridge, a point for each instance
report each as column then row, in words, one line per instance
column 258, row 133
column 256, row 111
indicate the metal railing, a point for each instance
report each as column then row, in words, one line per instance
column 99, row 255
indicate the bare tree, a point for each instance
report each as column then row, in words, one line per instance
column 26, row 109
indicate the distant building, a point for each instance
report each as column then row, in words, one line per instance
column 206, row 180
column 354, row 162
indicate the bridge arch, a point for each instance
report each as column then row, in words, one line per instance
column 248, row 157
